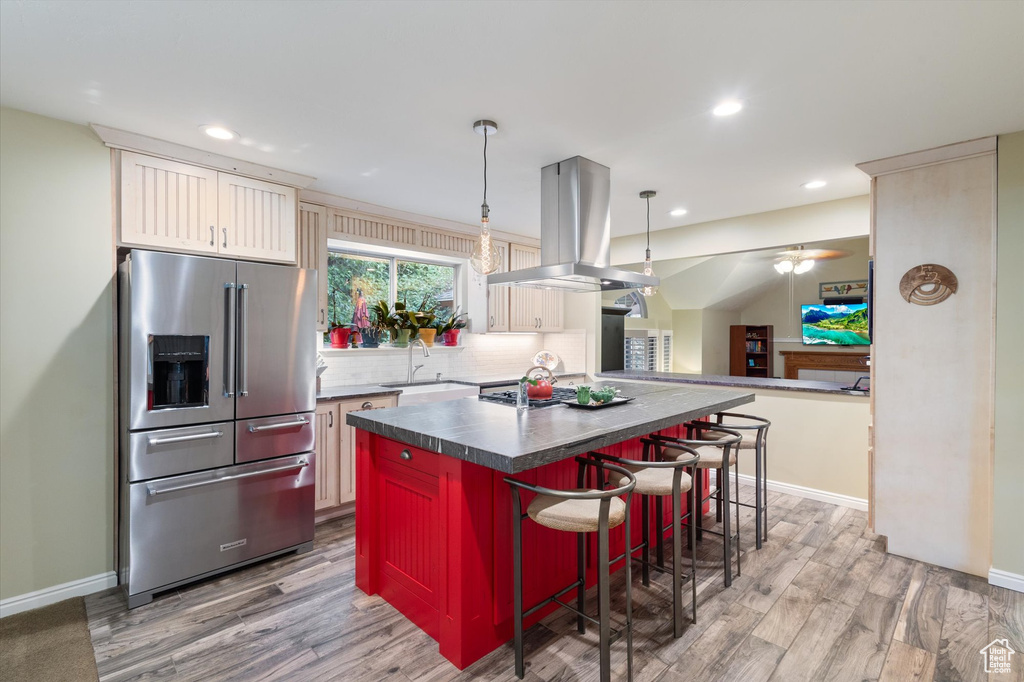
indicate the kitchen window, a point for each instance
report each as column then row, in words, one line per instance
column 420, row 284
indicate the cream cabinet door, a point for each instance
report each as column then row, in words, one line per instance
column 497, row 296
column 312, row 253
column 167, row 205
column 348, row 442
column 550, row 311
column 257, row 219
column 524, row 303
column 327, row 484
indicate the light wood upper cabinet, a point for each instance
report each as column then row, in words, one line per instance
column 312, row 253
column 550, row 310
column 167, row 204
column 327, row 483
column 257, row 218
column 524, row 303
column 497, row 296
column 176, row 206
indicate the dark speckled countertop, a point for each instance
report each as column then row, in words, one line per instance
column 500, row 437
column 739, row 382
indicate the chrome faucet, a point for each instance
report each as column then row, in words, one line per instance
column 426, row 354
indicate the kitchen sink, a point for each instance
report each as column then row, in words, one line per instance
column 432, row 392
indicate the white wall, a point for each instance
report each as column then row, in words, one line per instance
column 715, row 340
column 56, row 354
column 933, row 379
column 687, row 341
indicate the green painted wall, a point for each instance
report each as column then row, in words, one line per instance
column 56, row 345
column 1008, row 469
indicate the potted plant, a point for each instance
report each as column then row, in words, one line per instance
column 339, row 334
column 449, row 328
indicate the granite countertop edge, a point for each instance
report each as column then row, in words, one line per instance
column 514, row 464
column 796, row 385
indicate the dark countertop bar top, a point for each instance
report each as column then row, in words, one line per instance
column 502, row 438
column 346, row 392
column 835, row 388
column 495, row 380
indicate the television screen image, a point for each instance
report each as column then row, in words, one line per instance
column 835, row 325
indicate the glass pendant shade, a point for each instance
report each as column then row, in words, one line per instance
column 782, row 267
column 649, row 271
column 485, row 254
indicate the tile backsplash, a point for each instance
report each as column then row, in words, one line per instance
column 479, row 354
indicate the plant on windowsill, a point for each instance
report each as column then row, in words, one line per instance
column 339, row 334
column 449, row 326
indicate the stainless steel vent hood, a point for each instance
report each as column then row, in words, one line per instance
column 575, row 233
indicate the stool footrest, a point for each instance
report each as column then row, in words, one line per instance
column 554, row 598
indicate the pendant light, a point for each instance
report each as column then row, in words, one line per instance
column 648, row 269
column 485, row 254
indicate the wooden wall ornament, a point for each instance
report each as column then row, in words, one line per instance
column 928, row 284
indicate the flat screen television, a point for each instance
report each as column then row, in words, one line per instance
column 835, row 325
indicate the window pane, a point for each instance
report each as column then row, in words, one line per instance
column 348, row 275
column 422, row 285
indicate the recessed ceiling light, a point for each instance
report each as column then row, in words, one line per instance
column 677, row 212
column 727, row 107
column 814, row 184
column 219, row 132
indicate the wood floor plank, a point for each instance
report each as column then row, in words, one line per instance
column 815, row 639
column 964, row 633
column 906, row 663
column 893, row 577
column 856, row 573
column 924, row 607
column 705, row 658
column 754, row 661
column 772, row 582
column 859, row 652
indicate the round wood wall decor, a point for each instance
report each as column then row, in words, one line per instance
column 928, row 284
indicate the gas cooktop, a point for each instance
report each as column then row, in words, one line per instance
column 509, row 397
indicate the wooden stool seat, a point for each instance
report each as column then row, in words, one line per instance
column 575, row 516
column 657, row 482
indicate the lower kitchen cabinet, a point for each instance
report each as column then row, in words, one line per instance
column 336, row 453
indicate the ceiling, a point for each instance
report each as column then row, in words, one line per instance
column 376, row 99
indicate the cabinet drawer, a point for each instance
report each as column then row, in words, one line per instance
column 406, row 455
column 266, row 437
column 166, row 452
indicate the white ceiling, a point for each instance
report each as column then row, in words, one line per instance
column 376, row 99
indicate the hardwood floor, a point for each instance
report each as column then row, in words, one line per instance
column 820, row 601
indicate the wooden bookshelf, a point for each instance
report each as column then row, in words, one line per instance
column 751, row 350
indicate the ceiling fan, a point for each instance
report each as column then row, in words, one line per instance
column 799, row 260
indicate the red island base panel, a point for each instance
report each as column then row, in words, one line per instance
column 434, row 539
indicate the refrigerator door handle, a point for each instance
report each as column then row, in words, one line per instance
column 275, row 427
column 229, row 344
column 243, row 341
column 184, row 439
column 153, row 490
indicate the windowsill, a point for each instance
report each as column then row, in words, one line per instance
column 384, row 350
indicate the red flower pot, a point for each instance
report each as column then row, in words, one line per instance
column 339, row 337
column 451, row 337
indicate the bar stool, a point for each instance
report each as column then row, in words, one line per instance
column 718, row 453
column 755, row 437
column 577, row 511
column 660, row 477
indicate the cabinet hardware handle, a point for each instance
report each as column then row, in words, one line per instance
column 330, row 420
column 213, row 234
column 492, row 320
column 275, row 427
column 367, row 405
column 321, row 316
column 159, row 491
column 225, row 230
column 184, row 439
column 405, row 454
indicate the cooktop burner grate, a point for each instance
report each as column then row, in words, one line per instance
column 509, row 397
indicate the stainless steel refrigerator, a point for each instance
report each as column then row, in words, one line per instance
column 217, row 399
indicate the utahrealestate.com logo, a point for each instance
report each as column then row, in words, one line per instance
column 997, row 656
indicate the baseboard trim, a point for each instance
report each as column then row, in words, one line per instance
column 809, row 493
column 1011, row 581
column 52, row 595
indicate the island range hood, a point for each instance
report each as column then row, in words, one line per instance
column 575, row 233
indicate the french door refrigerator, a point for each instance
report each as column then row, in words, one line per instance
column 217, row 401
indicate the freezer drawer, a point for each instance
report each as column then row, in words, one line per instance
column 185, row 526
column 168, row 452
column 268, row 437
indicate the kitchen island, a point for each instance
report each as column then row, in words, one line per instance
column 433, row 513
